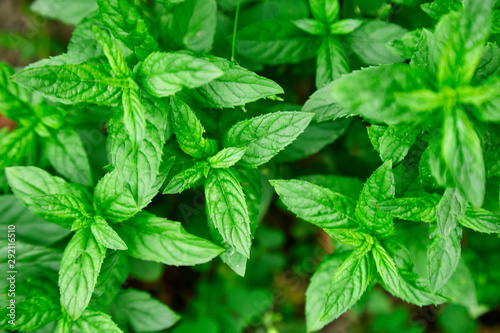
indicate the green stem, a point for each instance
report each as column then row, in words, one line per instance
column 235, row 28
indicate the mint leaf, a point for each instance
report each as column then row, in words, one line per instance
column 450, row 209
column 481, row 220
column 378, row 188
column 72, row 83
column 416, row 290
column 228, row 209
column 113, row 53
column 164, row 74
column 80, row 266
column 157, row 239
column 349, row 283
column 15, row 145
column 189, row 131
column 326, row 11
column 226, row 158
column 324, row 105
column 443, row 255
column 134, row 115
column 331, row 61
column 105, row 235
column 95, row 321
column 394, row 142
column 276, row 41
column 67, row 155
column 114, row 271
column 438, row 8
column 266, row 135
column 238, row 86
column 68, row 13
column 142, row 312
column 386, row 266
column 311, row 26
column 192, row 25
column 187, row 178
column 345, row 26
column 412, row 209
column 124, row 20
column 315, row 204
column 59, row 208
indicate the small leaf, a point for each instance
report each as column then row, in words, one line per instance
column 420, row 209
column 187, row 178
column 95, row 321
column 345, row 26
column 227, row 157
column 105, row 235
column 481, row 220
column 450, row 209
column 311, row 26
column 386, row 266
column 326, row 11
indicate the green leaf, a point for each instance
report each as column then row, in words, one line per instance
column 370, row 41
column 349, row 283
column 450, row 210
column 443, row 255
column 348, row 186
column 60, row 208
column 481, row 220
column 326, row 11
column 438, row 8
column 378, row 188
column 80, row 266
column 13, row 98
column 349, row 236
column 311, row 26
column 315, row 294
column 331, row 61
column 30, row 182
column 189, row 131
column 66, row 12
column 157, row 239
column 345, row 26
column 324, row 105
column 266, row 135
column 412, row 209
column 127, row 25
column 164, row 74
column 142, row 312
column 276, row 41
column 105, row 235
column 386, row 266
column 95, row 321
column 192, row 25
column 187, row 178
column 72, row 83
column 114, row 271
column 134, row 116
column 238, row 86
column 463, row 154
column 228, row 209
column 227, row 157
column 15, row 145
column 67, row 155
column 113, row 53
column 393, row 142
column 380, row 86
column 316, row 204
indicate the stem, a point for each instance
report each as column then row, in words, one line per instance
column 235, row 28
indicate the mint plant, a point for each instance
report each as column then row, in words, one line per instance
column 247, row 140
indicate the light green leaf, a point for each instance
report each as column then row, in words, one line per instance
column 68, row 12
column 412, row 209
column 164, row 74
column 316, row 204
column 238, row 86
column 378, row 188
column 105, row 235
column 96, row 321
column 67, row 155
column 80, row 266
column 326, row 11
column 461, row 150
column 142, row 312
column 15, row 145
column 189, row 131
column 348, row 186
column 370, row 41
column 386, row 266
column 113, row 53
column 62, row 209
column 72, row 83
column 187, row 178
column 345, row 26
column 349, row 283
column 192, row 25
column 228, row 209
column 276, row 41
column 331, row 61
column 114, row 271
column 127, row 25
column 324, row 105
column 157, row 239
column 227, row 157
column 450, row 209
column 481, row 220
column 349, row 236
column 266, row 135
column 443, row 255
column 311, row 26
column 393, row 142
column 134, row 116
column 438, row 8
